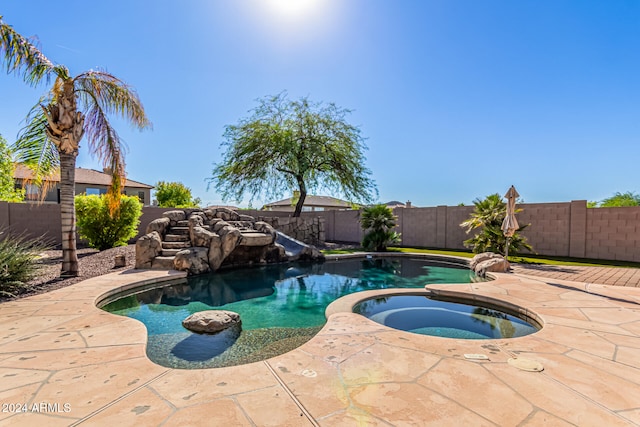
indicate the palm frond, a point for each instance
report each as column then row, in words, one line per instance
column 112, row 95
column 34, row 149
column 23, row 57
column 105, row 143
column 102, row 94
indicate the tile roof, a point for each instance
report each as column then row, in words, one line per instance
column 83, row 176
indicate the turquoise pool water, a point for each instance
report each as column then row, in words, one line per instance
column 426, row 316
column 281, row 306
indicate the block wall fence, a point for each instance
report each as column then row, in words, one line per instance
column 557, row 229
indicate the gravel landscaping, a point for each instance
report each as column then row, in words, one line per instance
column 91, row 262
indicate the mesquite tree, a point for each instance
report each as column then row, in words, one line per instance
column 287, row 146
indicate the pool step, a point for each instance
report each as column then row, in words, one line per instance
column 162, row 263
column 181, row 231
column 170, row 252
column 176, row 245
column 176, row 238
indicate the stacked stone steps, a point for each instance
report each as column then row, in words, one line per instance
column 176, row 245
column 176, row 238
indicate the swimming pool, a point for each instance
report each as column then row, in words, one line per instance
column 281, row 306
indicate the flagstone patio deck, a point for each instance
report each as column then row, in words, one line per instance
column 70, row 363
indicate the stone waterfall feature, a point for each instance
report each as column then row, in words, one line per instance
column 202, row 240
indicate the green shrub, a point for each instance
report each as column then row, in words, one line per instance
column 379, row 220
column 100, row 228
column 18, row 262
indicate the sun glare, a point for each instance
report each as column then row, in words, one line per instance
column 292, row 8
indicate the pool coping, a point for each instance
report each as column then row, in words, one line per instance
column 60, row 348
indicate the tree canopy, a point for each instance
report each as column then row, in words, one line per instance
column 287, row 145
column 8, row 193
column 617, row 200
column 174, row 195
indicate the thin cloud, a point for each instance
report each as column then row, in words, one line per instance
column 68, row 48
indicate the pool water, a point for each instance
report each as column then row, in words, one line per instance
column 281, row 306
column 426, row 316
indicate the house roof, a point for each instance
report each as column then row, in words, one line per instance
column 83, row 176
column 325, row 201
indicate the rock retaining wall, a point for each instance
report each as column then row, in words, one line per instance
column 308, row 230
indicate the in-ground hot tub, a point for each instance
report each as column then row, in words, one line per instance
column 423, row 314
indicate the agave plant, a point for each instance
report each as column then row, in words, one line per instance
column 379, row 221
column 74, row 107
column 18, row 262
column 488, row 216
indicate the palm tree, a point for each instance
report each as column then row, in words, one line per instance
column 488, row 216
column 380, row 221
column 55, row 126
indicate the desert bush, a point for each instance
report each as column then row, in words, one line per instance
column 378, row 221
column 102, row 228
column 18, row 262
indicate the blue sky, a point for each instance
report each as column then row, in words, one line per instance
column 458, row 99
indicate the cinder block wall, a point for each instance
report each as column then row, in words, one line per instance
column 613, row 233
column 550, row 227
column 557, row 229
column 32, row 220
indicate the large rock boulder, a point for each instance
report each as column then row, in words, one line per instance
column 484, row 256
column 275, row 253
column 211, row 321
column 219, row 225
column 175, row 216
column 192, row 260
column 148, row 247
column 160, row 225
column 201, row 237
column 227, row 214
column 489, row 262
column 196, row 220
column 231, row 238
column 215, row 252
column 263, row 227
column 209, row 213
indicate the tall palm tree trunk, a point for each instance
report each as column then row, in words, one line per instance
column 68, row 214
column 65, row 127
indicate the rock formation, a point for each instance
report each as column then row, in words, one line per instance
column 202, row 240
column 486, row 262
column 211, row 321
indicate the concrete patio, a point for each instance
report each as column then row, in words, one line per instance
column 70, row 363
